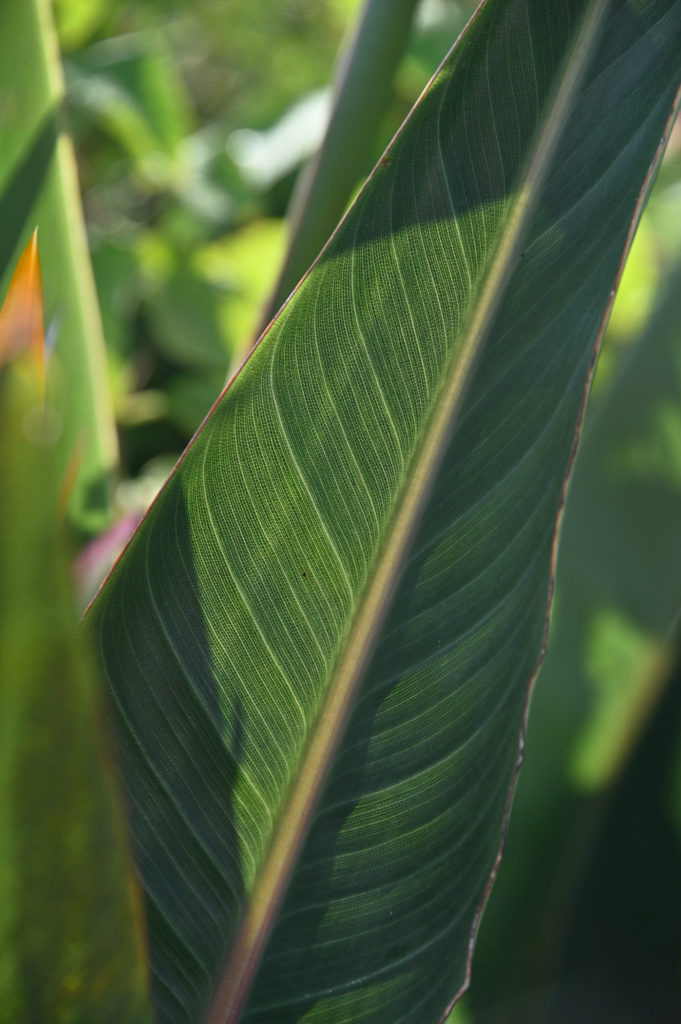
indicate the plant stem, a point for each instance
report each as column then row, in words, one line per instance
column 362, row 91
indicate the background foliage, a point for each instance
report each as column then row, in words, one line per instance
column 191, row 122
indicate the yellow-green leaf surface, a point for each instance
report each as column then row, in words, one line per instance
column 38, row 186
column 320, row 642
column 71, row 945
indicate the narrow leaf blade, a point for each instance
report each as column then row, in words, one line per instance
column 71, row 934
column 38, row 185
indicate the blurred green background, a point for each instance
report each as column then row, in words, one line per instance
column 191, row 122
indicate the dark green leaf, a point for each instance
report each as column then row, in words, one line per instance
column 319, row 643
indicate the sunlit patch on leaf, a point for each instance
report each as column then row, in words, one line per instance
column 624, row 665
column 655, row 456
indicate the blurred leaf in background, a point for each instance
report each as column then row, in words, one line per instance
column 38, row 186
column 71, row 937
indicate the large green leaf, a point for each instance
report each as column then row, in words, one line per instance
column 38, row 185
column 320, row 641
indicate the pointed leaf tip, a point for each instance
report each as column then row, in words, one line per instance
column 21, row 317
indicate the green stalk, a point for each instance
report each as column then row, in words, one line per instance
column 39, row 185
column 363, row 82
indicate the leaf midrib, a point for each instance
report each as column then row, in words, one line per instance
column 371, row 609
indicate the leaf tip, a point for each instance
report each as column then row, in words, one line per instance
column 22, row 327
